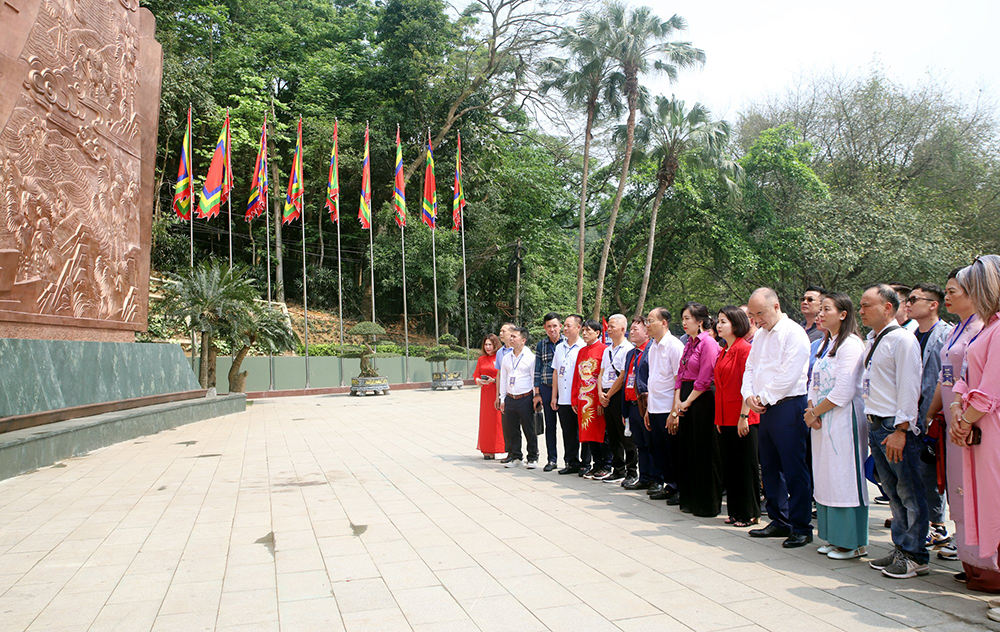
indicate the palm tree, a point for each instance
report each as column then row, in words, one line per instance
column 676, row 134
column 637, row 41
column 260, row 324
column 207, row 298
column 586, row 79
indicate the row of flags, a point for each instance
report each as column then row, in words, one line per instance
column 219, row 182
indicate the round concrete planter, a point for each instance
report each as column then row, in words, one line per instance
column 446, row 381
column 362, row 386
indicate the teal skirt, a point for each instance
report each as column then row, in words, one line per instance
column 846, row 527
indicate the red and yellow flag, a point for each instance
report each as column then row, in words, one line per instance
column 293, row 200
column 184, row 189
column 333, row 182
column 365, row 206
column 399, row 190
column 429, row 214
column 458, row 206
column 258, row 185
column 219, row 181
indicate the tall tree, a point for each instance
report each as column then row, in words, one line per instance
column 671, row 134
column 637, row 41
column 586, row 80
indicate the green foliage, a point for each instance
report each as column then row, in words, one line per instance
column 366, row 328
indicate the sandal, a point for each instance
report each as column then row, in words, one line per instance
column 730, row 520
column 745, row 523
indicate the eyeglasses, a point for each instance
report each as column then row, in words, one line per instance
column 910, row 300
column 808, row 299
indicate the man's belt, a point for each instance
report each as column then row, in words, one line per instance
column 786, row 399
column 521, row 396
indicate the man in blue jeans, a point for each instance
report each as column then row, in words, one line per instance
column 544, row 351
column 890, row 373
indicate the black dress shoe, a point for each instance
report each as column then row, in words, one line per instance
column 654, row 488
column 570, row 469
column 549, row 467
column 796, row 540
column 773, row 530
column 674, row 499
column 663, row 494
column 506, row 460
column 634, row 483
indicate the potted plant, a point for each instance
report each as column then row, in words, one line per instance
column 447, row 349
column 369, row 381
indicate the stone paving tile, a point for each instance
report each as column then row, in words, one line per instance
column 300, row 514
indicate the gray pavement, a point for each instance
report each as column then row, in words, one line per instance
column 336, row 513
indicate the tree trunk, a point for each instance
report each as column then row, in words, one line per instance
column 632, row 83
column 206, row 343
column 279, row 262
column 583, row 207
column 649, row 249
column 238, row 379
column 212, row 355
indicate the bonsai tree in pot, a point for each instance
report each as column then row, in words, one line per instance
column 369, row 381
column 447, row 349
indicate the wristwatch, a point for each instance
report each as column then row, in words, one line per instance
column 744, row 416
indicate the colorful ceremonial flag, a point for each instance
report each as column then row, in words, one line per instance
column 429, row 214
column 333, row 180
column 458, row 207
column 219, row 181
column 365, row 205
column 184, row 189
column 293, row 200
column 258, row 185
column 399, row 193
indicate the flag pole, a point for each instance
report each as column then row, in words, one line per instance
column 229, row 178
column 305, row 295
column 340, row 286
column 406, row 317
column 465, row 289
column 190, row 160
column 267, row 227
column 371, row 239
column 437, row 334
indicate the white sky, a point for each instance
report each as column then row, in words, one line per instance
column 759, row 48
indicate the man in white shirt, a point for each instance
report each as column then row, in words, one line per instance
column 890, row 385
column 624, row 458
column 664, row 358
column 563, row 365
column 517, row 381
column 774, row 385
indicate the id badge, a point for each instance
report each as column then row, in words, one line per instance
column 512, row 382
column 631, row 380
column 965, row 368
column 947, row 375
column 815, row 379
column 562, row 371
column 864, row 388
column 611, row 375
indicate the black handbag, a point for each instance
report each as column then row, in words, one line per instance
column 539, row 418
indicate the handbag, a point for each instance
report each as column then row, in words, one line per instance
column 539, row 419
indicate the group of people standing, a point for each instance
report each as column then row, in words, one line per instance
column 752, row 397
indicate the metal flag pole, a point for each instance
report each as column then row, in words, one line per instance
column 305, row 295
column 229, row 178
column 371, row 232
column 190, row 160
column 340, row 285
column 406, row 316
column 465, row 289
column 267, row 227
column 437, row 334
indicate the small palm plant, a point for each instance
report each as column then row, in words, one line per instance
column 260, row 324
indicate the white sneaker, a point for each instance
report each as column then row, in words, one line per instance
column 826, row 548
column 846, row 554
column 514, row 463
column 531, row 465
column 948, row 552
column 993, row 614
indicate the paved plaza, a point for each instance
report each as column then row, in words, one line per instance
column 337, row 513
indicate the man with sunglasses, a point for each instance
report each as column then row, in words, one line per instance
column 810, row 305
column 932, row 333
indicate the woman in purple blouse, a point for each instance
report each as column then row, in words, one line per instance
column 699, row 470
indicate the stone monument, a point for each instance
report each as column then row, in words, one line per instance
column 79, row 107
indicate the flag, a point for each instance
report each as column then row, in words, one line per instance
column 604, row 331
column 258, row 185
column 430, row 188
column 293, row 200
column 399, row 194
column 184, row 189
column 333, row 181
column 458, row 207
column 365, row 205
column 219, row 180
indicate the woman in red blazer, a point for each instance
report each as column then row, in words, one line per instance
column 736, row 423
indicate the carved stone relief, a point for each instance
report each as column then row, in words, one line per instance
column 75, row 198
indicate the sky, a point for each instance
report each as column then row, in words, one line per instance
column 756, row 49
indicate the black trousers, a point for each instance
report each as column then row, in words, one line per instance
column 699, row 464
column 518, row 416
column 571, row 434
column 741, row 473
column 545, row 391
column 624, row 457
column 663, row 448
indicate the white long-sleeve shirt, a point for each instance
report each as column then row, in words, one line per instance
column 564, row 363
column 778, row 365
column 517, row 373
column 664, row 357
column 890, row 385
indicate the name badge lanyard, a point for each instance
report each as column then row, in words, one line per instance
column 965, row 360
column 957, row 335
column 514, row 367
column 865, row 384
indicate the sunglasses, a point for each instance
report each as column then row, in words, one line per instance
column 910, row 300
